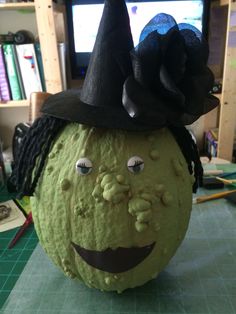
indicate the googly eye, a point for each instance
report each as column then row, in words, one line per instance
column 135, row 164
column 84, row 166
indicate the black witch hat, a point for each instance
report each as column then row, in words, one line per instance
column 164, row 81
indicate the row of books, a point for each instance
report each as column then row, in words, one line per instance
column 211, row 142
column 21, row 71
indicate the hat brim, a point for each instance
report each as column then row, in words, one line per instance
column 68, row 106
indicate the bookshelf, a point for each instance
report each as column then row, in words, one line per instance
column 224, row 117
column 46, row 20
column 50, row 20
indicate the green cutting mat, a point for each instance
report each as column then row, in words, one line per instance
column 13, row 261
column 201, row 278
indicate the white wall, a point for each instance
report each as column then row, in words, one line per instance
column 17, row 20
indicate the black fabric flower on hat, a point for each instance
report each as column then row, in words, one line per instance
column 170, row 83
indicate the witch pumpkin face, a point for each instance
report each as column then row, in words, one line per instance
column 112, row 207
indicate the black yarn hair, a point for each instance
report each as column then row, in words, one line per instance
column 190, row 152
column 37, row 143
column 34, row 149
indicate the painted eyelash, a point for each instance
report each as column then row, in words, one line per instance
column 83, row 166
column 136, row 163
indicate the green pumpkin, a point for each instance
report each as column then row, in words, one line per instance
column 112, row 207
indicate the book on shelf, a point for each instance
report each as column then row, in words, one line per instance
column 29, row 68
column 40, row 64
column 4, row 84
column 18, row 70
column 62, row 59
column 13, row 76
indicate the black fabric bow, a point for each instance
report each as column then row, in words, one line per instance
column 170, row 83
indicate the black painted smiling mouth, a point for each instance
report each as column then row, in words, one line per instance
column 114, row 261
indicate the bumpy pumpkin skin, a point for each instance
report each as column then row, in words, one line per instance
column 112, row 207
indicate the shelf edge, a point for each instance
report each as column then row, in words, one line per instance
column 14, row 104
column 17, row 6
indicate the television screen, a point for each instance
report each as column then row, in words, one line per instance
column 84, row 17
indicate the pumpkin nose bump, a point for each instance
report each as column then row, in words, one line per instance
column 114, row 188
